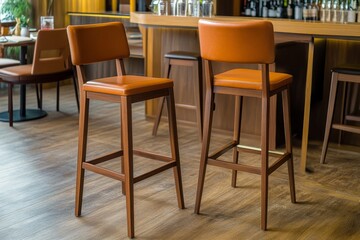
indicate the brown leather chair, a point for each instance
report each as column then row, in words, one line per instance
column 346, row 74
column 51, row 63
column 102, row 42
column 252, row 43
column 188, row 59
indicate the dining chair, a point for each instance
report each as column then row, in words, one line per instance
column 94, row 43
column 250, row 42
column 51, row 63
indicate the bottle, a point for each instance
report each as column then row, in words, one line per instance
column 314, row 12
column 172, row 7
column 352, row 11
column 272, row 9
column 336, row 11
column 298, row 10
column 290, row 10
column 328, row 11
column 248, row 9
column 181, row 8
column 264, row 9
column 207, row 8
column 196, row 8
column 190, row 9
column 306, row 10
column 279, row 8
column 162, row 7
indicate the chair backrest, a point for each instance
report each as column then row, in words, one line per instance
column 51, row 53
column 241, row 42
column 92, row 43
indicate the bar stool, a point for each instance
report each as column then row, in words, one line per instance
column 93, row 43
column 189, row 59
column 252, row 43
column 346, row 74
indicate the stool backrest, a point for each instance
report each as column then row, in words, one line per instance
column 92, row 43
column 241, row 42
column 51, row 53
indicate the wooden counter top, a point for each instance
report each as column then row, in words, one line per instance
column 316, row 29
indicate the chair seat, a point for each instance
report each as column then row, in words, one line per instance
column 127, row 85
column 347, row 69
column 22, row 75
column 7, row 62
column 250, row 79
column 183, row 55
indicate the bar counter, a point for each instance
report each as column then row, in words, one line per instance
column 155, row 34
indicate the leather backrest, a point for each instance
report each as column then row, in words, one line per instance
column 242, row 42
column 51, row 53
column 97, row 42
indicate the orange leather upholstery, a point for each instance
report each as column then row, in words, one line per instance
column 242, row 42
column 250, row 79
column 110, row 39
column 127, row 85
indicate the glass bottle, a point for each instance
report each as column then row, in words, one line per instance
column 352, row 11
column 290, row 10
column 207, row 8
column 298, row 10
column 336, row 11
column 196, row 8
column 265, row 9
column 162, row 7
column 181, row 8
column 173, row 7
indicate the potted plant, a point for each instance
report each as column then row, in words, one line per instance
column 18, row 10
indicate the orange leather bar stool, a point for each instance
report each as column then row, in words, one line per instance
column 252, row 43
column 103, row 42
column 347, row 74
column 190, row 59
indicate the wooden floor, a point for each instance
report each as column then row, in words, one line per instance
column 37, row 181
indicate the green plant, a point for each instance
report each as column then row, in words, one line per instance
column 13, row 9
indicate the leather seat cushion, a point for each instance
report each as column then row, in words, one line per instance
column 127, row 85
column 7, row 62
column 250, row 79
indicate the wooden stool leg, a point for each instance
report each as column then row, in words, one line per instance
column 344, row 106
column 175, row 147
column 37, row 95
column 82, row 143
column 161, row 104
column 208, row 114
column 264, row 160
column 128, row 162
column 57, row 96
column 10, row 104
column 236, row 136
column 288, row 142
column 198, row 97
column 122, row 167
column 329, row 117
column 76, row 92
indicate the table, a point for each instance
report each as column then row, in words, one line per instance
column 22, row 114
column 285, row 30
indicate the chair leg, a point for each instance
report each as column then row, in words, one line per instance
column 76, row 92
column 329, row 117
column 10, row 104
column 82, row 144
column 344, row 106
column 198, row 98
column 57, row 95
column 122, row 167
column 38, row 88
column 236, row 136
column 126, row 131
column 161, row 104
column 208, row 114
column 175, row 147
column 264, row 160
column 288, row 142
column 158, row 116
